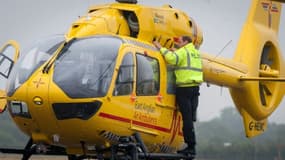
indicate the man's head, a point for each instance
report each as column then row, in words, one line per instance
column 181, row 41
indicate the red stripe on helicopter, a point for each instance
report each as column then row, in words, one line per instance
column 174, row 124
column 150, row 126
column 110, row 116
column 274, row 8
column 175, row 130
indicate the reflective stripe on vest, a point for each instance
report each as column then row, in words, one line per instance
column 188, row 67
column 187, row 75
column 188, row 71
column 177, row 57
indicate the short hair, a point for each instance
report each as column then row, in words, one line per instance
column 187, row 38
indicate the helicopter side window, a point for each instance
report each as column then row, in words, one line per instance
column 125, row 79
column 147, row 75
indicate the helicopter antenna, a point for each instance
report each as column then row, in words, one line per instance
column 221, row 51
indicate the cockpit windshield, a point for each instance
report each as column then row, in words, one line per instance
column 33, row 58
column 85, row 67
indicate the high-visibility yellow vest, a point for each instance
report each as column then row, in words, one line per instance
column 188, row 65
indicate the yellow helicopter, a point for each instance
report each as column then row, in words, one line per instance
column 104, row 91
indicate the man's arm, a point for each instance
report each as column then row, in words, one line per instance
column 157, row 44
column 169, row 56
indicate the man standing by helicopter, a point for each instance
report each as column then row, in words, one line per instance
column 189, row 75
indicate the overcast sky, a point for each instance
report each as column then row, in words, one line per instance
column 221, row 21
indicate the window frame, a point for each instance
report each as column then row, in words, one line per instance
column 155, row 83
column 116, row 91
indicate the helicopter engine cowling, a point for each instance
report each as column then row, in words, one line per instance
column 144, row 23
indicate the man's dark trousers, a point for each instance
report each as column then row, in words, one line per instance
column 187, row 100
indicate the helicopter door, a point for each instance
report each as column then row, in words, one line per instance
column 123, row 98
column 125, row 78
column 147, row 88
column 9, row 54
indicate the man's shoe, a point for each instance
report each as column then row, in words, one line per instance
column 192, row 151
column 183, row 151
column 188, row 150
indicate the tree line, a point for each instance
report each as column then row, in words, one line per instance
column 10, row 134
column 223, row 138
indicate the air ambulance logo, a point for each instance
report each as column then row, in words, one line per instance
column 270, row 7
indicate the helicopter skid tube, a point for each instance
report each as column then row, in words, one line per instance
column 154, row 156
column 159, row 155
column 134, row 148
column 34, row 149
column 131, row 148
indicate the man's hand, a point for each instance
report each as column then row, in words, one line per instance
column 157, row 44
column 172, row 49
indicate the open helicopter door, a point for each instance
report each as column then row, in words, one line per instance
column 9, row 55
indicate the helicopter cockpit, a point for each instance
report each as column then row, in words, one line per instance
column 92, row 60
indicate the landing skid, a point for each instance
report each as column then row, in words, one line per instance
column 133, row 148
column 32, row 149
column 128, row 148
